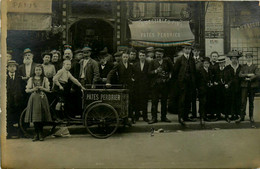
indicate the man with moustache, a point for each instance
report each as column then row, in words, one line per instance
column 141, row 86
column 25, row 71
column 184, row 72
column 89, row 71
column 160, row 71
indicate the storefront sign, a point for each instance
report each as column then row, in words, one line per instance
column 28, row 21
column 162, row 31
column 30, row 6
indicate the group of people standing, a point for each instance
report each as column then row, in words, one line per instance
column 221, row 89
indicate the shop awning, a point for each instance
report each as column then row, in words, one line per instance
column 160, row 33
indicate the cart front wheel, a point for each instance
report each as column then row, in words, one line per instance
column 101, row 120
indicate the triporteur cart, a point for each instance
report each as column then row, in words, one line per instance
column 103, row 111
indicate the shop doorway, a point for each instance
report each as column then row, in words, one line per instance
column 95, row 33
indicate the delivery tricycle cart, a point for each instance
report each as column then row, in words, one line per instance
column 103, row 110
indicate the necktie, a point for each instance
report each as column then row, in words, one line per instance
column 12, row 76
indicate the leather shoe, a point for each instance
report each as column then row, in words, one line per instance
column 189, row 119
column 202, row 122
column 165, row 120
column 240, row 119
column 228, row 120
column 146, row 119
column 152, row 121
column 133, row 121
column 36, row 138
column 252, row 120
column 181, row 121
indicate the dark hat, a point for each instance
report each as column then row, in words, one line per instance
column 149, row 49
column 122, row 48
column 12, row 62
column 234, row 54
column 86, row 48
column 132, row 50
column 67, row 46
column 142, row 51
column 118, row 54
column 159, row 50
column 78, row 51
column 102, row 53
column 206, row 59
column 46, row 53
column 221, row 59
column 195, row 46
column 249, row 55
column 186, row 45
column 27, row 50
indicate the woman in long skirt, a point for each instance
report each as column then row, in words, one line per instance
column 38, row 110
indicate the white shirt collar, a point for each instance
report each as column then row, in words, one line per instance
column 207, row 70
column 186, row 55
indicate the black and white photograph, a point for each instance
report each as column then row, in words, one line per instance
column 130, row 84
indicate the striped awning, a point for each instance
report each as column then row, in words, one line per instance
column 161, row 33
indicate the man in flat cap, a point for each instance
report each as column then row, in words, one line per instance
column 149, row 53
column 184, row 73
column 89, row 71
column 25, row 71
column 250, row 82
column 234, row 90
column 13, row 87
column 160, row 70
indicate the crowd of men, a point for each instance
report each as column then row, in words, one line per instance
column 148, row 74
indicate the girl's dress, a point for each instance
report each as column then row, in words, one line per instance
column 38, row 106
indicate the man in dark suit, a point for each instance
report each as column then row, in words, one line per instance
column 221, row 82
column 250, row 82
column 160, row 70
column 13, row 86
column 204, row 82
column 132, row 56
column 25, row 71
column 199, row 65
column 89, row 71
column 105, row 66
column 184, row 72
column 125, row 73
column 234, row 86
column 141, row 86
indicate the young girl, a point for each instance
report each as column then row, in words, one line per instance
column 38, row 106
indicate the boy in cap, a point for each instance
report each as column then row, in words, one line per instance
column 250, row 82
column 204, row 82
column 89, row 71
column 234, row 93
column 13, row 98
column 221, row 84
column 124, row 71
column 160, row 70
column 184, row 73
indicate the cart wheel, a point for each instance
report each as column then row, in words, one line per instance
column 28, row 130
column 101, row 120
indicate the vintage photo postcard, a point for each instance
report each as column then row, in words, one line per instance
column 130, row 84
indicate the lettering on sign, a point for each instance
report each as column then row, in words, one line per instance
column 105, row 97
column 30, row 6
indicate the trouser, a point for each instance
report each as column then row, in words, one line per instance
column 204, row 104
column 38, row 127
column 193, row 103
column 184, row 103
column 159, row 92
column 141, row 104
column 250, row 92
column 221, row 94
column 234, row 102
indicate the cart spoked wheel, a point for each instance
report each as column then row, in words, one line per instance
column 28, row 128
column 101, row 120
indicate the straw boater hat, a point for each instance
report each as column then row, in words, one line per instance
column 12, row 62
column 159, row 50
column 249, row 55
column 221, row 59
column 234, row 54
column 149, row 49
